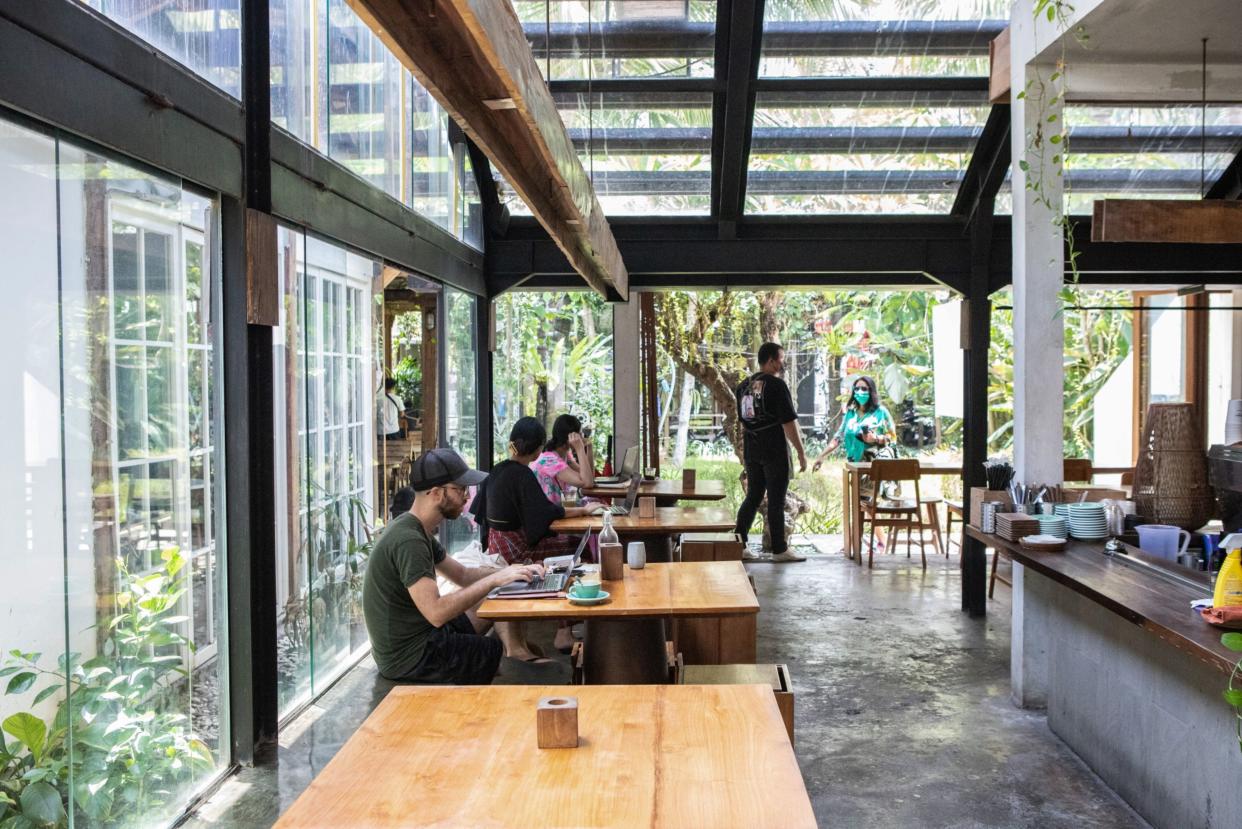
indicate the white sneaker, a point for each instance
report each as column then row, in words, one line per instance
column 787, row 556
column 750, row 555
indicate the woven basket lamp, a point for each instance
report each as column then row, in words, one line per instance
column 1170, row 479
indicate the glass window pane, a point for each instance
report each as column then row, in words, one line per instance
column 205, row 35
column 621, row 38
column 808, row 38
column 298, row 45
column 90, row 511
column 431, row 171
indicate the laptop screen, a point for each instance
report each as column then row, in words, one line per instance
column 631, row 495
column 629, row 462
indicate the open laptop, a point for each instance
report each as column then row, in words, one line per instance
column 631, row 497
column 629, row 466
column 558, row 570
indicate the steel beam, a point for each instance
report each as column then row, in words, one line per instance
column 986, row 172
column 976, row 328
column 1228, row 184
column 737, row 111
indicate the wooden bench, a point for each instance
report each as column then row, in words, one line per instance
column 775, row 675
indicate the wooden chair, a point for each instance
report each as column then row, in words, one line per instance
column 953, row 508
column 1077, row 470
column 996, row 554
column 895, row 513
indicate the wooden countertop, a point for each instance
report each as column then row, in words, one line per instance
column 701, row 491
column 925, row 467
column 649, row 755
column 683, row 588
column 667, row 521
column 1159, row 607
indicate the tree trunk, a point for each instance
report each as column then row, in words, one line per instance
column 683, row 420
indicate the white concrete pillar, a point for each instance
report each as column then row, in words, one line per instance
column 1038, row 266
column 625, row 377
column 1038, row 336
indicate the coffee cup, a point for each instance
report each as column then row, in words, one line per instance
column 584, row 589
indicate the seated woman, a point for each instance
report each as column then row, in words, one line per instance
column 512, row 510
column 567, row 463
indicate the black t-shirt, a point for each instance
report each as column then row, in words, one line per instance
column 511, row 499
column 764, row 405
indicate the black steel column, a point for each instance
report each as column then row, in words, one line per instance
column 484, row 382
column 249, row 424
column 976, row 330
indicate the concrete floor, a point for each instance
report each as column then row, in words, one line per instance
column 902, row 709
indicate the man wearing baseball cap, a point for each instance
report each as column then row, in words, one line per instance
column 416, row 634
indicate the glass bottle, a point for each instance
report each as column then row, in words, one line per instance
column 608, row 535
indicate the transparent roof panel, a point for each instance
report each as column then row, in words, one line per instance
column 1143, row 152
column 835, row 38
column 875, row 155
column 578, row 39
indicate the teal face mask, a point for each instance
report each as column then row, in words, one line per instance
column 861, row 397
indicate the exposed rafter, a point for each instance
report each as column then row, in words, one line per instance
column 988, row 165
column 733, row 117
column 473, row 58
column 1229, row 184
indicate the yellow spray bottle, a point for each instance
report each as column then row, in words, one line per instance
column 1229, row 580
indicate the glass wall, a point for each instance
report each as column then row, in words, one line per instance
column 337, row 87
column 114, row 706
column 553, row 356
column 325, row 376
column 205, row 35
column 461, row 416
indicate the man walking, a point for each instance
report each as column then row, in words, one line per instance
column 766, row 411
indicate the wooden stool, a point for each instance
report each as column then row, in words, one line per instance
column 775, row 675
column 953, row 508
column 933, row 521
column 996, row 554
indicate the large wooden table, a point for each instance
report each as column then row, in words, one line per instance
column 851, row 506
column 655, row 756
column 657, row 533
column 624, row 637
column 666, row 493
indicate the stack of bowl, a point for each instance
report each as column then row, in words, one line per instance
column 1088, row 522
column 1057, row 525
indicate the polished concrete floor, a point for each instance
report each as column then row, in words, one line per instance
column 902, row 709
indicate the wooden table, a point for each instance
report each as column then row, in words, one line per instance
column 653, row 756
column 666, row 493
column 657, row 533
column 851, row 506
column 624, row 638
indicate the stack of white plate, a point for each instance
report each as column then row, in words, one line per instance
column 1087, row 521
column 1061, row 510
column 1056, row 525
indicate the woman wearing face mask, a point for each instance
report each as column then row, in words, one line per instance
column 867, row 425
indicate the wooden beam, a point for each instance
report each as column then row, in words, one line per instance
column 473, row 57
column 999, row 59
column 1167, row 221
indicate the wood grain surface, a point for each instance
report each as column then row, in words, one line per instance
column 667, row 521
column 690, row 588
column 701, row 491
column 1160, row 607
column 654, row 755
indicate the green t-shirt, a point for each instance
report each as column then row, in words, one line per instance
column 403, row 554
column 878, row 422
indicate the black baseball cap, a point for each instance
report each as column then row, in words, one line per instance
column 437, row 467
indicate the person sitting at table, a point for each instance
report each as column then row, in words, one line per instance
column 568, row 461
column 391, row 408
column 418, row 635
column 512, row 511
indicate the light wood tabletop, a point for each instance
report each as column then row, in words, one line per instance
column 672, row 490
column 684, row 588
column 667, row 521
column 655, row 756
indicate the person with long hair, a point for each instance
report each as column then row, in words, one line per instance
column 567, row 463
column 866, row 427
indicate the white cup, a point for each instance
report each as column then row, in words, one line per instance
column 636, row 555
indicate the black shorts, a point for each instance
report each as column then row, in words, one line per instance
column 456, row 655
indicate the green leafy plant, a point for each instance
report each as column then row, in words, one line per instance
column 119, row 733
column 1232, row 694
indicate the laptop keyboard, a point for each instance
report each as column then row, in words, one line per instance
column 551, row 581
column 618, row 510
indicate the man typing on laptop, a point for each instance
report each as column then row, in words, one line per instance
column 418, row 635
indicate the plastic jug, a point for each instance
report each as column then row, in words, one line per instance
column 1162, row 540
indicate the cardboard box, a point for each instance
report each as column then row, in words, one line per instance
column 979, row 494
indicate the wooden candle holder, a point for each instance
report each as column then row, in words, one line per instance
column 646, row 507
column 687, row 479
column 556, row 722
column 611, row 562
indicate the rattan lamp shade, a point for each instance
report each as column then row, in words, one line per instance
column 1170, row 479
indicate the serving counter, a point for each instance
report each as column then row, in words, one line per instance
column 1130, row 676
